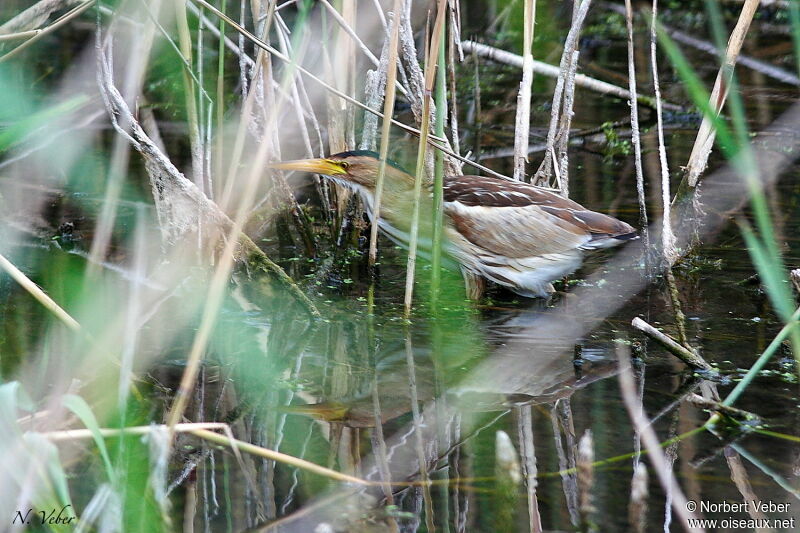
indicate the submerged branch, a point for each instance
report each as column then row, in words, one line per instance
column 689, row 357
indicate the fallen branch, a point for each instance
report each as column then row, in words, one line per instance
column 711, row 405
column 552, row 71
column 704, row 141
column 690, row 357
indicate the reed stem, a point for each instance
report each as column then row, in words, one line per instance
column 430, row 70
column 438, row 179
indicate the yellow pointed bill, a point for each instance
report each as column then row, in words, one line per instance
column 316, row 166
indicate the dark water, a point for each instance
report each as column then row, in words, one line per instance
column 444, row 387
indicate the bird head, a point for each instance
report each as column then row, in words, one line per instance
column 359, row 168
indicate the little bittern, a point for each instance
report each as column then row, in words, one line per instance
column 512, row 233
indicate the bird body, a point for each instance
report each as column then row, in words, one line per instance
column 512, row 233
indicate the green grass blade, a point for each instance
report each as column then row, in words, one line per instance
column 697, row 92
column 20, row 129
column 794, row 21
column 81, row 409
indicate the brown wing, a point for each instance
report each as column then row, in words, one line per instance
column 516, row 219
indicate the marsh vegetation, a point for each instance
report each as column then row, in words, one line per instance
column 193, row 339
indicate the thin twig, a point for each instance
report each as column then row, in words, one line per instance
column 668, row 250
column 48, row 30
column 690, row 357
column 388, row 109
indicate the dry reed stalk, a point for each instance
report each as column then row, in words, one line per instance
column 278, row 55
column 374, row 91
column 220, row 145
column 636, row 139
column 120, row 152
column 566, row 68
column 704, row 141
column 272, row 455
column 637, row 508
column 388, row 109
column 668, row 250
column 508, row 476
column 40, row 296
column 186, row 209
column 243, row 67
column 433, row 140
column 419, row 445
column 523, row 127
column 66, row 435
column 455, row 43
column 379, row 447
column 58, row 23
column 690, row 357
column 340, row 127
column 561, row 163
column 585, row 480
column 650, row 440
column 185, row 44
column 561, row 421
column 357, row 40
column 420, row 175
column 741, row 479
column 20, row 35
column 527, row 451
column 477, row 111
column 677, row 309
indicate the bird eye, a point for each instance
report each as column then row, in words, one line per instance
column 345, row 165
